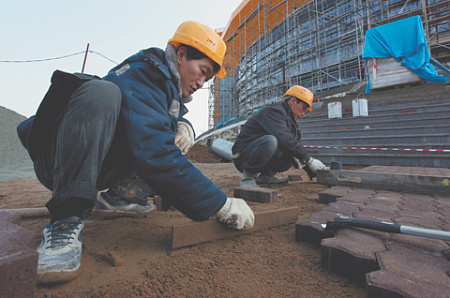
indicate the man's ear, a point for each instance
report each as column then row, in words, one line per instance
column 292, row 101
column 181, row 53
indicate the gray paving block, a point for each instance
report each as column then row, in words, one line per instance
column 18, row 258
column 260, row 194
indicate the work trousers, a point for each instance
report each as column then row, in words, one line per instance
column 263, row 156
column 87, row 151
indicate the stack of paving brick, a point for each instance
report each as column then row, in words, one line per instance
column 18, row 258
column 392, row 265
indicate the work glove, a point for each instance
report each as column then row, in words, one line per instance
column 184, row 137
column 313, row 166
column 236, row 214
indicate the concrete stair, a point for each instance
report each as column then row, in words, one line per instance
column 407, row 118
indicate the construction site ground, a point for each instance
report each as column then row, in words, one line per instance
column 126, row 257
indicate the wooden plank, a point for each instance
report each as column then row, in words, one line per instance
column 30, row 212
column 205, row 231
column 386, row 181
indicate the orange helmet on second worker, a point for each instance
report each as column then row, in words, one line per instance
column 301, row 93
column 204, row 39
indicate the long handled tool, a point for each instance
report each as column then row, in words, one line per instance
column 343, row 222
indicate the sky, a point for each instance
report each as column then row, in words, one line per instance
column 115, row 29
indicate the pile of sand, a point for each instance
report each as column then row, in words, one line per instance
column 15, row 162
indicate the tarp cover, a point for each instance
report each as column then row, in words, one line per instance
column 404, row 39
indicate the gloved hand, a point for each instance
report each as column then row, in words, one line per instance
column 236, row 214
column 313, row 166
column 184, row 137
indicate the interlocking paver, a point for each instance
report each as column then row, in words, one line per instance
column 18, row 259
column 392, row 265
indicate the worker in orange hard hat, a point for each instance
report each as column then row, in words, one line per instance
column 269, row 142
column 125, row 133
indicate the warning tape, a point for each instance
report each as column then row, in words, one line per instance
column 384, row 149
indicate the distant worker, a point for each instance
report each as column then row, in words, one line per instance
column 269, row 142
column 91, row 134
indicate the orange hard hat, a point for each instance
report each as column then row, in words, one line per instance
column 301, row 93
column 204, row 39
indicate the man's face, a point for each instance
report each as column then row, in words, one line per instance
column 298, row 109
column 193, row 73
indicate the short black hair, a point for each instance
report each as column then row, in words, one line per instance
column 288, row 98
column 194, row 54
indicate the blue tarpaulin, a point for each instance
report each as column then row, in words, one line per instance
column 405, row 41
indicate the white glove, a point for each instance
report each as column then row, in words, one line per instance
column 314, row 165
column 236, row 214
column 184, row 137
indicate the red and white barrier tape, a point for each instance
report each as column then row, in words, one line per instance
column 385, row 149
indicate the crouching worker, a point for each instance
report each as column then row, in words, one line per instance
column 269, row 142
column 91, row 134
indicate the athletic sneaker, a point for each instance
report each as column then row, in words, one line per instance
column 60, row 251
column 268, row 179
column 108, row 205
column 249, row 182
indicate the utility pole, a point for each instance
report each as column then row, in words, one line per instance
column 85, row 58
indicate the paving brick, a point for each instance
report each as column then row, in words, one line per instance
column 417, row 243
column 344, row 207
column 386, row 200
column 375, row 215
column 352, row 253
column 409, row 273
column 353, row 197
column 260, row 194
column 162, row 204
column 330, row 195
column 419, row 221
column 380, row 208
column 18, row 258
column 11, row 217
column 310, row 230
column 295, row 178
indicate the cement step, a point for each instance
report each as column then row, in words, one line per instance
column 371, row 131
column 354, row 123
column 392, row 140
column 385, row 159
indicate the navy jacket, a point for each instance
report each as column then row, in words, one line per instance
column 150, row 112
column 276, row 120
column 149, row 115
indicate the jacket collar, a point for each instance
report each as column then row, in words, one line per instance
column 171, row 54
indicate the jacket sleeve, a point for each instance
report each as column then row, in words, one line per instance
column 150, row 130
column 274, row 121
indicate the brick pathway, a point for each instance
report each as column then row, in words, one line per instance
column 391, row 265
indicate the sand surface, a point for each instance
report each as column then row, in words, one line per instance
column 128, row 257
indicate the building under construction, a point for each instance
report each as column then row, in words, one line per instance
column 272, row 45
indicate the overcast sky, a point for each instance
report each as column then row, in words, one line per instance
column 46, row 29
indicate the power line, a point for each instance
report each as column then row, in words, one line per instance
column 56, row 58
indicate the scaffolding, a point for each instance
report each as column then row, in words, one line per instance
column 272, row 45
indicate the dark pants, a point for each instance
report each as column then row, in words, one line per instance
column 86, row 152
column 263, row 156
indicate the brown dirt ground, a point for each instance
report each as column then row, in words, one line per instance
column 129, row 257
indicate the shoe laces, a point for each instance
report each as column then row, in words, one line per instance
column 60, row 234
